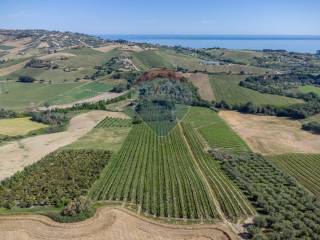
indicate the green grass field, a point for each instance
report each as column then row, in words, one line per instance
column 238, row 56
column 5, row 47
column 19, row 96
column 182, row 60
column 309, row 88
column 102, row 139
column 149, row 59
column 195, row 63
column 18, row 126
column 304, row 167
column 87, row 58
column 214, row 130
column 81, row 92
column 226, row 87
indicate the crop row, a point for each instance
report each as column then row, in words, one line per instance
column 232, row 202
column 304, row 167
column 158, row 174
column 215, row 131
column 114, row 122
column 55, row 179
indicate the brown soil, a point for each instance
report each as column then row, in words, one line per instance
column 272, row 135
column 15, row 155
column 161, row 73
column 132, row 48
column 12, row 68
column 107, row 48
column 56, row 56
column 108, row 223
column 201, row 81
column 18, row 42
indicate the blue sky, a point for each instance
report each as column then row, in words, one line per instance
column 284, row 17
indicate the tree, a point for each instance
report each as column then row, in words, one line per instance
column 26, row 79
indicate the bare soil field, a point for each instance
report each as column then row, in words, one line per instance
column 202, row 82
column 107, row 48
column 11, row 69
column 15, row 155
column 272, row 135
column 18, row 42
column 19, row 45
column 108, row 223
column 133, row 48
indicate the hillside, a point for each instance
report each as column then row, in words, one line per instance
column 149, row 138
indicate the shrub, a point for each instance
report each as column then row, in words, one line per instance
column 26, row 79
column 77, row 206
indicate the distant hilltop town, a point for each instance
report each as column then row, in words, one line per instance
column 318, row 52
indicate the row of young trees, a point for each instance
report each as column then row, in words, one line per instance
column 286, row 210
column 7, row 113
column 295, row 111
column 54, row 180
column 157, row 174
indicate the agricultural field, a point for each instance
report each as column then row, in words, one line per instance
column 72, row 64
column 293, row 212
column 309, row 88
column 171, row 177
column 242, row 57
column 156, row 183
column 20, row 96
column 149, row 59
column 109, row 134
column 214, row 130
column 5, row 47
column 108, row 223
column 56, row 178
column 16, row 155
column 192, row 62
column 18, row 126
column 226, row 87
column 164, row 148
column 303, row 167
column 259, row 133
column 202, row 82
column 110, row 122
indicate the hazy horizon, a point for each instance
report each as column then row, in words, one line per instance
column 203, row 17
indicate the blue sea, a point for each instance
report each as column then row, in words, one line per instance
column 304, row 44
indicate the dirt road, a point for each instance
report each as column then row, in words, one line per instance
column 108, row 223
column 16, row 155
